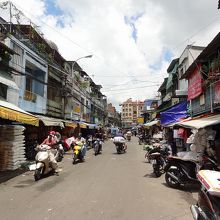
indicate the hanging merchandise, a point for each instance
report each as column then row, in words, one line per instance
column 175, row 133
column 12, row 149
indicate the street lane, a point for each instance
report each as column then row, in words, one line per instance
column 107, row 186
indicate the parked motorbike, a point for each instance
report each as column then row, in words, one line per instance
column 43, row 164
column 208, row 206
column 180, row 172
column 148, row 148
column 143, row 139
column 120, row 147
column 158, row 159
column 97, row 146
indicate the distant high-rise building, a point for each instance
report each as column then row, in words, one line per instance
column 131, row 111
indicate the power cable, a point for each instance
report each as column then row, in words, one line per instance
column 132, row 88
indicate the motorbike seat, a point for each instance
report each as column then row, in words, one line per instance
column 155, row 154
column 179, row 158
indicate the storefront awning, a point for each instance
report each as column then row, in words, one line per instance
column 48, row 121
column 201, row 122
column 71, row 124
column 92, row 126
column 82, row 125
column 149, row 124
column 12, row 112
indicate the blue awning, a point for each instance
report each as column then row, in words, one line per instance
column 174, row 114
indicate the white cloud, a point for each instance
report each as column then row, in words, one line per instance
column 98, row 27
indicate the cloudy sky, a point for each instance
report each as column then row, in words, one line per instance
column 132, row 41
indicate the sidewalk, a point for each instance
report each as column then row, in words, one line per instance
column 9, row 174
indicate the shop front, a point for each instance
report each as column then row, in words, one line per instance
column 12, row 128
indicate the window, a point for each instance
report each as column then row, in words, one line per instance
column 3, row 91
column 129, row 114
column 29, row 83
column 129, row 109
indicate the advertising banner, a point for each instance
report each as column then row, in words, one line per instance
column 195, row 84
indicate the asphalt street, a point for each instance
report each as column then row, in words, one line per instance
column 105, row 187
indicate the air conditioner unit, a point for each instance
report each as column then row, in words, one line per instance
column 181, row 92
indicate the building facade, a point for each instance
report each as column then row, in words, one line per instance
column 131, row 111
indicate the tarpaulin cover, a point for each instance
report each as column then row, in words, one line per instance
column 174, row 114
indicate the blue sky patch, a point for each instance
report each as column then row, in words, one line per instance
column 52, row 9
column 167, row 55
column 131, row 21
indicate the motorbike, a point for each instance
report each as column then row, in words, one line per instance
column 120, row 147
column 208, row 206
column 77, row 153
column 143, row 139
column 43, row 164
column 148, row 148
column 180, row 172
column 89, row 141
column 97, row 146
column 158, row 159
column 140, row 139
column 128, row 137
column 59, row 154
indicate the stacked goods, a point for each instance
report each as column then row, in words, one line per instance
column 12, row 149
column 210, row 180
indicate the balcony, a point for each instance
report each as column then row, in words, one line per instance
column 30, row 96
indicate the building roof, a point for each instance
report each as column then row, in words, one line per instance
column 172, row 64
column 163, row 85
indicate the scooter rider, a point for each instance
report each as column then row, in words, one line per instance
column 83, row 141
column 119, row 138
column 99, row 136
column 51, row 141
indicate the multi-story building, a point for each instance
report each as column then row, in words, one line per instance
column 114, row 118
column 174, row 88
column 131, row 111
column 44, row 83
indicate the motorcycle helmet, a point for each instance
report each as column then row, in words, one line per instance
column 52, row 133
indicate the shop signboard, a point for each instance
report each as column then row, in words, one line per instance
column 217, row 93
column 195, row 84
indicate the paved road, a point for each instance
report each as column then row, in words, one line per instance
column 105, row 187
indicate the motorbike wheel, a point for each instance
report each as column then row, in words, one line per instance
column 37, row 174
column 147, row 157
column 59, row 158
column 74, row 159
column 96, row 150
column 157, row 172
column 169, row 180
